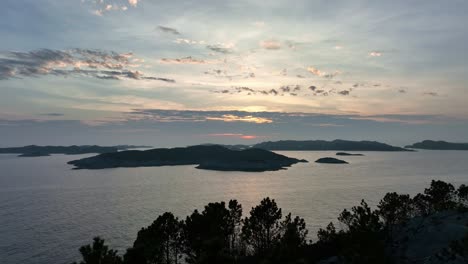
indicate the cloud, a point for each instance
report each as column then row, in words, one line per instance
column 133, row 2
column 186, row 60
column 76, row 62
column 199, row 116
column 290, row 88
column 246, row 118
column 169, row 30
column 235, row 135
column 431, row 93
column 323, row 74
column 259, row 23
column 402, row 91
column 52, row 114
column 344, row 92
column 270, row 44
column 375, row 54
column 314, row 71
column 188, row 41
column 219, row 48
column 326, row 125
column 101, row 7
column 402, row 119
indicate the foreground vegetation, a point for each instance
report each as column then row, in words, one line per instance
column 219, row 234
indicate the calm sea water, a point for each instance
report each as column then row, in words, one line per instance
column 48, row 210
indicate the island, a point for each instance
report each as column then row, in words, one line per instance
column 37, row 151
column 438, row 145
column 211, row 157
column 321, row 145
column 348, row 154
column 329, row 160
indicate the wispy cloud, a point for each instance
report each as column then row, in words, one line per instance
column 375, row 54
column 236, row 118
column 169, row 30
column 188, row 41
column 219, row 48
column 270, row 44
column 133, row 2
column 327, row 75
column 76, row 62
column 259, row 23
column 234, row 135
column 186, row 60
column 52, row 114
column 101, row 7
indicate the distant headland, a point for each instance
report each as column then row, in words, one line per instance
column 208, row 157
column 335, row 145
column 36, row 151
column 438, row 145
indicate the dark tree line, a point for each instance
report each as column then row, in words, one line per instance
column 218, row 234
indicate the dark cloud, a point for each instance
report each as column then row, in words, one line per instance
column 169, row 30
column 244, row 89
column 290, row 88
column 402, row 91
column 344, row 92
column 285, row 89
column 82, row 62
column 159, row 79
column 431, row 93
column 273, row 92
column 219, row 49
column 52, row 114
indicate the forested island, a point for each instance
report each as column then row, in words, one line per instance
column 208, row 157
column 438, row 145
column 36, row 151
column 428, row 228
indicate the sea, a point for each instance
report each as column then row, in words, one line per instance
column 48, row 210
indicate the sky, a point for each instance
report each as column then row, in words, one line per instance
column 175, row 73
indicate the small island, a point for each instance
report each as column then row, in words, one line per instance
column 438, row 145
column 348, row 154
column 329, row 160
column 211, row 157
